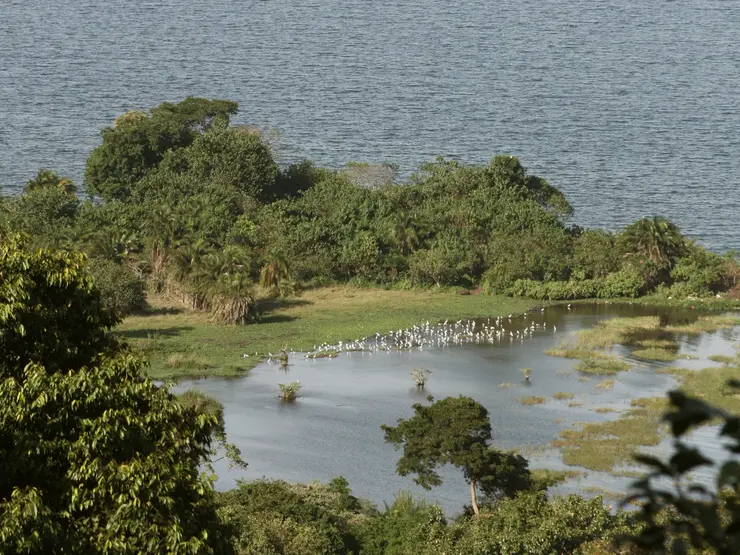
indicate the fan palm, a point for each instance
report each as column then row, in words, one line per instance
column 655, row 239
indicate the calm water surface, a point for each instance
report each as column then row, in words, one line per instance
column 334, row 427
column 630, row 107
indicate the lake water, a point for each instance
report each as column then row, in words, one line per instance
column 334, row 427
column 630, row 107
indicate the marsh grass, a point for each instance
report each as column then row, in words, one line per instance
column 289, row 391
column 575, row 404
column 604, row 493
column 603, row 445
column 532, row 400
column 563, row 396
column 604, row 410
column 724, row 359
column 329, row 314
column 569, row 350
column 705, row 324
column 673, row 370
column 656, row 353
column 508, row 384
column 606, row 384
column 602, row 366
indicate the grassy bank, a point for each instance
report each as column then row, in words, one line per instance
column 184, row 343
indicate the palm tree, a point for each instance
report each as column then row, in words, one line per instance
column 655, row 239
column 275, row 274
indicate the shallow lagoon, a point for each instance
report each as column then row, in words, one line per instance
column 334, row 427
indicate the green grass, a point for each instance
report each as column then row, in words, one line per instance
column 569, row 350
column 602, row 366
column 329, row 315
column 533, row 400
column 655, row 353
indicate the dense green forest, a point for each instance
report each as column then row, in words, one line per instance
column 97, row 458
column 181, row 201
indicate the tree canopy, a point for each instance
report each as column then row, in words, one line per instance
column 94, row 458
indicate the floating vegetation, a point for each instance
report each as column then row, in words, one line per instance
column 604, row 410
column 606, row 384
column 575, row 404
column 533, row 400
column 289, row 391
column 508, row 384
column 603, row 445
column 527, row 373
column 563, row 395
column 602, row 366
column 673, row 370
column 724, row 359
column 656, row 353
column 323, row 354
column 568, row 350
column 584, row 378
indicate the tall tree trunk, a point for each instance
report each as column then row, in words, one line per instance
column 473, row 498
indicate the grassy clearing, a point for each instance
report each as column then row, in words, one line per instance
column 533, row 400
column 329, row 314
column 655, row 353
column 604, row 445
column 602, row 366
column 563, row 396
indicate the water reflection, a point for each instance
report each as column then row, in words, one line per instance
column 334, row 427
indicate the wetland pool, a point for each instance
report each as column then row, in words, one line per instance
column 333, row 429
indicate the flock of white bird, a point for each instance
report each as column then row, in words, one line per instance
column 444, row 334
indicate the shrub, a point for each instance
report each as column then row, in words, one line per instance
column 121, row 290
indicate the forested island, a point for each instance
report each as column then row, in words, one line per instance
column 187, row 214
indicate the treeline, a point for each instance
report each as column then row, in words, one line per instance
column 189, row 204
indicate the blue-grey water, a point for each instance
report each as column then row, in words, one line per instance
column 334, row 426
column 631, row 107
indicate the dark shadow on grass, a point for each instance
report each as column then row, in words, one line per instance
column 267, row 305
column 153, row 333
column 160, row 311
column 274, row 318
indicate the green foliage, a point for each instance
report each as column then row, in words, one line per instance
column 94, row 458
column 45, row 214
column 652, row 240
column 594, row 255
column 455, row 431
column 690, row 514
column 274, row 517
column 137, row 142
column 530, row 524
column 121, row 290
column 50, row 179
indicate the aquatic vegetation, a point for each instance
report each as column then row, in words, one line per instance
column 532, row 400
column 289, row 391
column 547, row 478
column 569, row 350
column 527, row 373
column 654, row 353
column 574, row 404
column 604, row 445
column 508, row 384
column 724, row 359
column 603, row 493
column 604, row 410
column 563, row 395
column 602, row 366
column 606, row 384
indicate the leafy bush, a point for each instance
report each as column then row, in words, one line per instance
column 121, row 290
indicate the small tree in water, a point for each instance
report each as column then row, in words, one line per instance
column 420, row 377
column 289, row 391
column 527, row 374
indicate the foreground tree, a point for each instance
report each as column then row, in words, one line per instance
column 94, row 458
column 456, row 431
